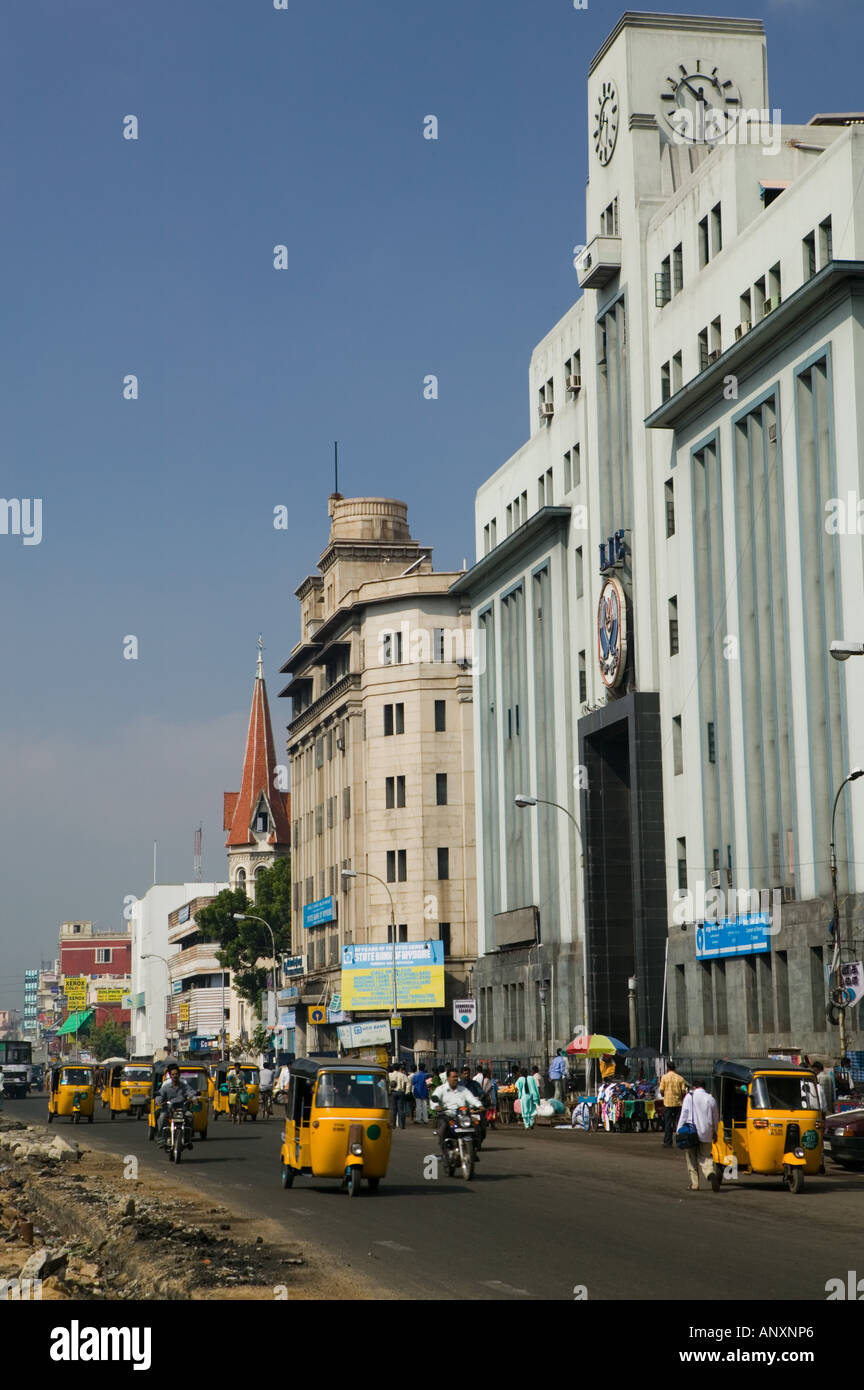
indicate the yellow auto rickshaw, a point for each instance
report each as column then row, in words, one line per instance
column 239, row 1102
column 770, row 1120
column 126, row 1089
column 337, row 1123
column 71, row 1091
column 196, row 1079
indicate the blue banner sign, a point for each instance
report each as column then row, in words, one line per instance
column 317, row 914
column 292, row 965
column 733, row 936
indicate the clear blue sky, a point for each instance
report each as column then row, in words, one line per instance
column 407, row 257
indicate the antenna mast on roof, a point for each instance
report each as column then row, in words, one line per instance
column 197, row 857
column 336, row 465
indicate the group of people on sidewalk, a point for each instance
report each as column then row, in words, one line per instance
column 410, row 1093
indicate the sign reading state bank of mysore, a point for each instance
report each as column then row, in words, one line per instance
column 733, row 936
column 367, row 975
column 316, row 914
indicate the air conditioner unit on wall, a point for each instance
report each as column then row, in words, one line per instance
column 574, row 383
column 713, row 355
column 772, row 434
column 770, row 304
column 742, row 328
column 547, row 410
column 714, row 878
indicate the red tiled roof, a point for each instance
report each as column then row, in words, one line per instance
column 259, row 769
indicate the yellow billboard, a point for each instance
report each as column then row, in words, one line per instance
column 110, row 996
column 367, row 976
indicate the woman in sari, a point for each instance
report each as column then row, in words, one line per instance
column 529, row 1097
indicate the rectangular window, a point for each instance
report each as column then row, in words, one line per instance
column 329, row 745
column 775, row 286
column 399, row 718
column 572, row 468
column 677, row 746
column 781, row 971
column 440, row 716
column 677, row 372
column 319, row 819
column 702, row 349
column 677, row 268
column 441, row 789
column 509, row 515
column 346, row 803
column 444, row 936
column 669, row 495
column 401, row 932
column 716, row 230
column 103, row 955
column 550, row 492
column 751, row 994
column 744, row 308
column 330, row 811
column 580, row 573
column 665, row 381
column 808, row 246
column 759, row 299
column 391, row 648
column 443, row 863
column 438, row 644
column 401, row 865
column 663, row 284
column 319, row 752
column 826, row 243
column 400, row 792
column 673, row 626
column 583, row 679
column 716, row 336
column 391, row 866
column 310, row 889
column 388, row 720
column 707, row 997
column 704, row 251
column 712, row 746
column 390, row 793
column 817, row 986
column 721, row 1017
column 682, row 863
column 766, row 992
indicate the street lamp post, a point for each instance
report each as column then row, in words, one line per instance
column 523, row 800
column 251, row 917
column 355, row 873
column 838, row 944
column 154, row 955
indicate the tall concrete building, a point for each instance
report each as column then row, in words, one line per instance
column 662, row 567
column 381, row 753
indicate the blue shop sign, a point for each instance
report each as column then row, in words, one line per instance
column 733, row 936
column 317, row 914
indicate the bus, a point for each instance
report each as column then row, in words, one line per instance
column 16, row 1060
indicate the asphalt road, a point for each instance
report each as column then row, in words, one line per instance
column 547, row 1211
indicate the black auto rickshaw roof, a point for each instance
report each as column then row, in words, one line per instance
column 309, row 1067
column 747, row 1067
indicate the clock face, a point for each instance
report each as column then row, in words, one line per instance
column 606, row 122
column 701, row 106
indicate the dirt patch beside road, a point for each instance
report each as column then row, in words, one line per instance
column 97, row 1234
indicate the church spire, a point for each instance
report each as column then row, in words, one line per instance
column 261, row 807
column 260, row 675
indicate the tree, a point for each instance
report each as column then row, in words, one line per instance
column 107, row 1039
column 243, row 944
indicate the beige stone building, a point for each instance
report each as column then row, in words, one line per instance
column 381, row 757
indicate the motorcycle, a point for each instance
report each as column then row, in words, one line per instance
column 177, row 1131
column 462, row 1141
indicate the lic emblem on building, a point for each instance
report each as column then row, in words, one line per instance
column 612, row 633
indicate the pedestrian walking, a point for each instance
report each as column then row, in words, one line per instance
column 529, row 1097
column 700, row 1110
column 538, row 1081
column 671, row 1088
column 420, row 1087
column 558, row 1074
column 825, row 1082
column 398, row 1085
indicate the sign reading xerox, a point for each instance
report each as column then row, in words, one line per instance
column 318, row 913
column 367, row 975
column 733, row 936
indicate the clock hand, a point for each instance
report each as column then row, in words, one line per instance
column 700, row 95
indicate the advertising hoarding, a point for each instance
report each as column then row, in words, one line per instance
column 367, row 976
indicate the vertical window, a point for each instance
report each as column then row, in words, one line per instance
column 438, row 644
column 346, row 803
column 745, row 308
column 759, row 299
column 400, row 792
column 677, row 373
column 441, row 789
column 716, row 230
column 399, row 718
column 444, row 936
column 329, row 745
column 401, row 865
column 826, row 243
column 751, row 994
column 440, row 716
column 550, row 491
column 583, row 679
column 808, row 246
column 677, row 746
column 707, row 997
column 673, row 626
column 716, row 336
column 774, row 284
column 391, row 866
column 781, row 971
column 818, row 986
column 509, row 518
column 486, row 545
column 443, row 863
column 669, row 496
column 704, row 252
column 663, row 284
column 388, row 720
column 541, row 490
column 390, row 793
column 319, row 752
column 721, row 1017
column 712, row 746
column 665, row 381
column 580, row 573
column 682, row 863
column 766, row 992
column 702, row 349
column 677, row 268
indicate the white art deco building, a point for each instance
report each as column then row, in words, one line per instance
column 662, row 567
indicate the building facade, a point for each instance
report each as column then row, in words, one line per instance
column 380, row 747
column 658, row 580
column 104, row 957
column 151, row 986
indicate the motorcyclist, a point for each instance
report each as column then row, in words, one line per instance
column 172, row 1091
column 449, row 1099
column 475, row 1087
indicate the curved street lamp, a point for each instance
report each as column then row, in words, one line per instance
column 251, row 917
column 362, row 873
column 850, row 777
column 523, row 801
column 154, row 955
